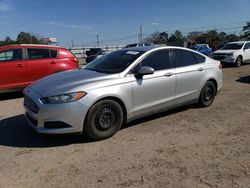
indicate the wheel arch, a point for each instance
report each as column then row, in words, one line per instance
column 241, row 56
column 116, row 99
column 215, row 83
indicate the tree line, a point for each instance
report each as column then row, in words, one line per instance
column 22, row 38
column 214, row 38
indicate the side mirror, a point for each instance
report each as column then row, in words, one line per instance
column 144, row 70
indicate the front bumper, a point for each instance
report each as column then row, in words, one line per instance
column 65, row 118
column 224, row 58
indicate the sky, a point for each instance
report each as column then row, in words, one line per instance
column 117, row 22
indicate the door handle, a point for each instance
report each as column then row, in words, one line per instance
column 200, row 69
column 20, row 65
column 52, row 62
column 169, row 74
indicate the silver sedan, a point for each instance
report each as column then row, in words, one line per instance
column 120, row 87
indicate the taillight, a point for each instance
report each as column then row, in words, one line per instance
column 76, row 61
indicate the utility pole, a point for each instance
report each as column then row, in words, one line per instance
column 72, row 43
column 140, row 34
column 97, row 40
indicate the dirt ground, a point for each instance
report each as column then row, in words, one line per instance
column 187, row 147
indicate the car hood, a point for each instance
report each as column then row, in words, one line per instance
column 66, row 82
column 225, row 51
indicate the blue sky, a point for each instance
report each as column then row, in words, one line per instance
column 117, row 21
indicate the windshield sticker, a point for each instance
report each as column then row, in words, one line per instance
column 132, row 52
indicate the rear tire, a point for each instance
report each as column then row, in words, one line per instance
column 103, row 120
column 207, row 94
column 238, row 61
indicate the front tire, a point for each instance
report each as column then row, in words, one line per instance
column 207, row 94
column 238, row 61
column 103, row 120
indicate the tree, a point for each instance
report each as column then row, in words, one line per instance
column 176, row 37
column 232, row 37
column 163, row 38
column 7, row 41
column 27, row 38
column 246, row 30
column 157, row 38
column 192, row 36
column 179, row 36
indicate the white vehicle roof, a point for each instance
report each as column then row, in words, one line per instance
column 238, row 42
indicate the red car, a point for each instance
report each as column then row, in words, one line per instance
column 20, row 65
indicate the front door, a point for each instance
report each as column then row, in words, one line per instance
column 155, row 92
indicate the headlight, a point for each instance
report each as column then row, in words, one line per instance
column 64, row 98
column 230, row 54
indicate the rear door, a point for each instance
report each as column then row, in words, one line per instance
column 189, row 69
column 39, row 63
column 12, row 69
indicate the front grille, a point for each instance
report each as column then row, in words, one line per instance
column 30, row 104
column 219, row 56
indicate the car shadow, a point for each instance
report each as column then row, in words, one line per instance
column 244, row 79
column 11, row 95
column 15, row 132
column 159, row 115
column 224, row 65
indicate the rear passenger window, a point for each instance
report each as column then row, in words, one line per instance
column 53, row 53
column 185, row 58
column 199, row 58
column 11, row 55
column 38, row 53
column 158, row 60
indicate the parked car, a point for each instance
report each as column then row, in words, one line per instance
column 203, row 48
column 93, row 51
column 137, row 44
column 234, row 53
column 119, row 87
column 96, row 56
column 20, row 65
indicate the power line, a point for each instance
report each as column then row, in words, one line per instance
column 184, row 31
column 214, row 26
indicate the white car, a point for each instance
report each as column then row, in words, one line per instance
column 234, row 53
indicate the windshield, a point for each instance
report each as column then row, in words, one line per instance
column 232, row 46
column 114, row 62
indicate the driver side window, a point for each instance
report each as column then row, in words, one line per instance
column 158, row 60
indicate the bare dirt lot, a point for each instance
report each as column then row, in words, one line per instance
column 187, row 147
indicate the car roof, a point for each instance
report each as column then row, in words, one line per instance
column 33, row 45
column 148, row 48
column 238, row 42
